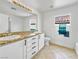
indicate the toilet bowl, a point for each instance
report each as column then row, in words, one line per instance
column 47, row 39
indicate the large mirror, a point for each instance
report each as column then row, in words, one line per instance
column 15, row 19
column 28, row 23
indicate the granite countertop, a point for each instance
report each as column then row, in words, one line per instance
column 23, row 35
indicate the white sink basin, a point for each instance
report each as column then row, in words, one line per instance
column 12, row 37
column 31, row 34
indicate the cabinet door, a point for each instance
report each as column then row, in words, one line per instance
column 3, row 23
column 41, row 41
column 12, row 51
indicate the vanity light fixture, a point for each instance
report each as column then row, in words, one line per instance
column 20, row 5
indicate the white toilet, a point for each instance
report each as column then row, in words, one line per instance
column 47, row 39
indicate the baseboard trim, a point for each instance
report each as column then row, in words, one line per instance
column 61, row 46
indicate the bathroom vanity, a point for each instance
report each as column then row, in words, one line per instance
column 25, row 47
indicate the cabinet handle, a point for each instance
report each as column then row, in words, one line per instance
column 33, row 42
column 25, row 42
column 33, row 47
column 33, row 38
column 33, row 52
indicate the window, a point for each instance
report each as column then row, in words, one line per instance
column 63, row 30
column 63, row 25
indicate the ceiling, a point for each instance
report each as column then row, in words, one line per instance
column 10, row 9
column 40, row 5
column 45, row 5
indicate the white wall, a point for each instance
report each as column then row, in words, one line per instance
column 50, row 30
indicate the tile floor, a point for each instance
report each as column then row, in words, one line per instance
column 55, row 52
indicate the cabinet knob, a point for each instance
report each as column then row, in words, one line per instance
column 33, row 42
column 33, row 47
column 33, row 38
column 34, row 52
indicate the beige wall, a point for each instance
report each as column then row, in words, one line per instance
column 50, row 29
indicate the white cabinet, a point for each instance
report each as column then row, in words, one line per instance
column 12, row 51
column 3, row 23
column 34, row 45
column 41, row 41
column 24, row 49
column 31, row 47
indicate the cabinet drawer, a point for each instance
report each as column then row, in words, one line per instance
column 30, row 44
column 34, row 43
column 32, row 47
column 34, row 39
column 34, row 51
column 31, row 41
